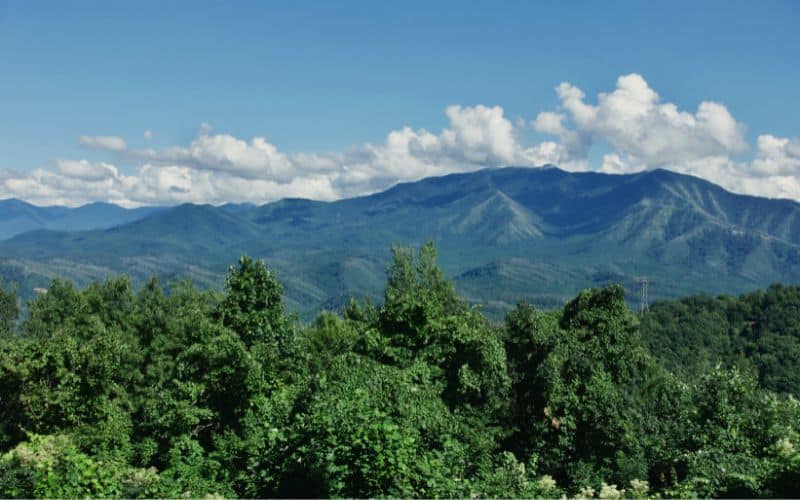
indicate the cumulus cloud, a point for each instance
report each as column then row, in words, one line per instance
column 641, row 129
column 179, row 184
column 226, row 153
column 477, row 136
column 45, row 187
column 108, row 142
column 773, row 172
column 218, row 168
column 740, row 177
column 776, row 156
column 793, row 148
column 644, row 132
column 550, row 123
column 86, row 170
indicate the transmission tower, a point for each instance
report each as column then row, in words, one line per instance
column 643, row 282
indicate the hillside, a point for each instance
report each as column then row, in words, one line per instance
column 17, row 217
column 758, row 331
column 504, row 235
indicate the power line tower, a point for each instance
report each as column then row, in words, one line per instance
column 644, row 283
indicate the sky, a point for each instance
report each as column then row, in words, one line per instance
column 141, row 103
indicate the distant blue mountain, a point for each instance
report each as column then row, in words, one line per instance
column 17, row 217
column 504, row 235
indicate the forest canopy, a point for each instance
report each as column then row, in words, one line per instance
column 758, row 331
column 170, row 390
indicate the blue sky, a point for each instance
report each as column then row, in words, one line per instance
column 329, row 78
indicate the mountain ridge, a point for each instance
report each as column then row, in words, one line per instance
column 504, row 234
column 19, row 216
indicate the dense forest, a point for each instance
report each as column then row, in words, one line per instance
column 759, row 332
column 170, row 390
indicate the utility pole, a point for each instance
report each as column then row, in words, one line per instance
column 644, row 306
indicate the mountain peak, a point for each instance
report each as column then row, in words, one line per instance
column 508, row 234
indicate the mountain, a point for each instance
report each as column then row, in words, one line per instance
column 504, row 235
column 17, row 217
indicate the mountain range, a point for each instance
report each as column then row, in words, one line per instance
column 503, row 234
column 17, row 217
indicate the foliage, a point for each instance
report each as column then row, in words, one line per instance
column 108, row 391
column 584, row 385
column 253, row 303
column 9, row 310
column 758, row 331
column 53, row 467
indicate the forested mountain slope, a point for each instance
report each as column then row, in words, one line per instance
column 759, row 331
column 504, row 234
column 17, row 217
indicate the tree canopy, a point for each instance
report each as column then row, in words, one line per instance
column 170, row 390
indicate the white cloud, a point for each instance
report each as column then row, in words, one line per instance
column 218, row 168
column 148, row 134
column 477, row 137
column 86, row 170
column 549, row 123
column 178, row 184
column 575, row 143
column 226, row 153
column 638, row 125
column 793, row 148
column 645, row 132
column 641, row 130
column 109, row 142
column 740, row 177
column 480, row 135
column 44, row 187
column 615, row 164
column 774, row 171
column 776, row 156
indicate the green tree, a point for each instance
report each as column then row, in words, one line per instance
column 181, row 392
column 741, row 442
column 253, row 304
column 370, row 429
column 588, row 398
column 54, row 467
column 9, row 311
column 424, row 320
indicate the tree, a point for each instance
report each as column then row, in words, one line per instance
column 253, row 304
column 54, row 467
column 371, row 429
column 742, row 441
column 583, row 384
column 9, row 311
column 182, row 392
column 424, row 320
